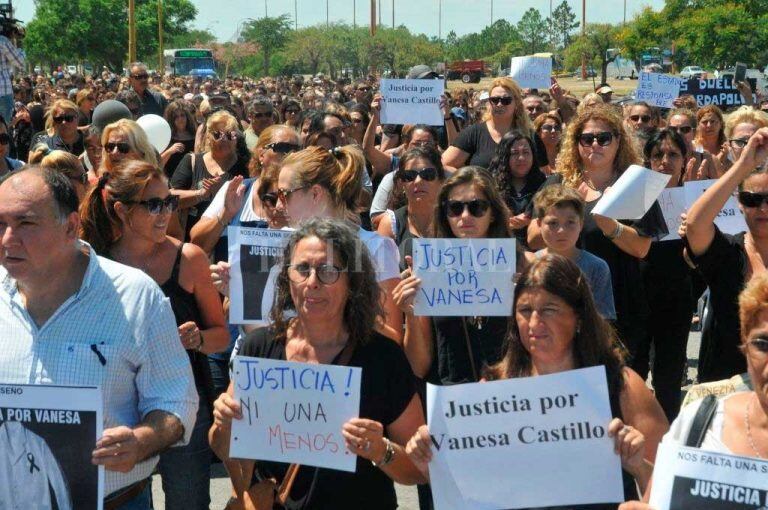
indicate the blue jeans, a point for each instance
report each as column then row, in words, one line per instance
column 219, row 374
column 6, row 107
column 186, row 470
column 143, row 501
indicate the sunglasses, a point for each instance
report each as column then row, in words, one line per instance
column 5, row 138
column 497, row 100
column 639, row 118
column 551, row 128
column 364, row 89
column 476, row 207
column 284, row 194
column 282, row 147
column 604, row 139
column 739, row 143
column 157, row 206
column 326, row 273
column 357, row 121
column 750, row 199
column 681, row 129
column 261, row 115
column 426, row 174
column 67, row 117
column 142, row 76
column 269, row 199
column 122, row 147
column 229, row 135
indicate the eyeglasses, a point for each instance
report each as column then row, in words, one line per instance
column 261, row 115
column 142, row 76
column 739, row 143
column 155, row 206
column 681, row 129
column 269, row 199
column 422, row 143
column 229, row 135
column 604, row 139
column 326, row 273
column 751, row 199
column 758, row 347
column 122, row 147
column 5, row 138
column 551, row 128
column 497, row 100
column 639, row 118
column 67, row 117
column 476, row 207
column 284, row 194
column 282, row 147
column 426, row 174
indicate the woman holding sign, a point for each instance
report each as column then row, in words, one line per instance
column 555, row 328
column 328, row 279
column 728, row 262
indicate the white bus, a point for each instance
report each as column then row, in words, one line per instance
column 189, row 62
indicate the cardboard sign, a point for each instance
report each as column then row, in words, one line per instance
column 52, row 431
column 672, row 202
column 293, row 412
column 658, row 89
column 464, row 277
column 254, row 257
column 411, row 102
column 531, row 72
column 685, row 478
column 632, row 195
column 730, row 219
column 717, row 91
column 547, row 434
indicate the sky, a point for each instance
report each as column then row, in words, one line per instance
column 223, row 17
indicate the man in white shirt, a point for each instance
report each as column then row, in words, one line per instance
column 68, row 316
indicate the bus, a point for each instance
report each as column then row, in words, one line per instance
column 189, row 62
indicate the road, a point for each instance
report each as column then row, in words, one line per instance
column 406, row 496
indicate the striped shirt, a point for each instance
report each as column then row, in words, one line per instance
column 10, row 57
column 116, row 332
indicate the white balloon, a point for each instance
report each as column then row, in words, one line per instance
column 158, row 131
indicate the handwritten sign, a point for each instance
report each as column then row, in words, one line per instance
column 658, row 89
column 730, row 219
column 672, row 202
column 254, row 258
column 411, row 102
column 692, row 478
column 464, row 277
column 293, row 412
column 55, row 429
column 534, row 428
column 632, row 195
column 531, row 72
column 717, row 91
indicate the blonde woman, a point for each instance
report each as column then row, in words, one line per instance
column 122, row 140
column 739, row 127
column 61, row 131
column 476, row 144
column 70, row 166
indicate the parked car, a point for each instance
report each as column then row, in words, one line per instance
column 689, row 72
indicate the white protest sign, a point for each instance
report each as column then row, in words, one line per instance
column 464, row 277
column 672, row 202
column 531, row 72
column 55, row 428
column 632, row 195
column 293, row 412
column 547, row 434
column 254, row 258
column 411, row 102
column 685, row 478
column 658, row 89
column 730, row 219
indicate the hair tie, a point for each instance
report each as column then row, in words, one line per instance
column 337, row 152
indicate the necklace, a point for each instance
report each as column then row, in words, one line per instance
column 749, row 430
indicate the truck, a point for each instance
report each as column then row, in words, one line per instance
column 468, row 71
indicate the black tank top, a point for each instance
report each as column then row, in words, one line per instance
column 403, row 235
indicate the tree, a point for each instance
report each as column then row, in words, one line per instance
column 647, row 30
column 594, row 46
column 231, row 54
column 306, row 47
column 194, row 38
column 269, row 34
column 562, row 23
column 533, row 30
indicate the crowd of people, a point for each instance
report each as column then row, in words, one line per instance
column 105, row 237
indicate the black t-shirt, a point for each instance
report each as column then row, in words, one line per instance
column 387, row 387
column 175, row 159
column 477, row 141
column 453, row 365
column 724, row 267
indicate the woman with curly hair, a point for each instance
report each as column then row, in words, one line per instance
column 596, row 151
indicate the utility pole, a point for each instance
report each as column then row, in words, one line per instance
column 393, row 14
column 491, row 12
column 296, row 14
column 354, row 13
column 379, row 12
column 327, row 14
column 583, row 33
column 160, row 64
column 373, row 18
column 625, row 12
column 440, row 19
column 265, row 9
column 131, row 30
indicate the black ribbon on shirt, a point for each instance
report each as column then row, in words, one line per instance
column 32, row 465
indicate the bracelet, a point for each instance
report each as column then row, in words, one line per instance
column 202, row 341
column 388, row 455
column 617, row 232
column 449, row 117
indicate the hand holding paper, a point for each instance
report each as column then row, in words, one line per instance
column 632, row 195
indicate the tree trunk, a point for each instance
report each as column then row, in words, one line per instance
column 604, row 74
column 266, row 62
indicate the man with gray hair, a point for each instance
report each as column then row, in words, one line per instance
column 151, row 101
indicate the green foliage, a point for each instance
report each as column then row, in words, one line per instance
column 562, row 24
column 269, row 34
column 495, row 44
column 533, row 31
column 593, row 46
column 190, row 39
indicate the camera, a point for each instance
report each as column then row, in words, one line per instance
column 9, row 26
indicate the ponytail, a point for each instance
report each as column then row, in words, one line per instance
column 347, row 181
column 97, row 226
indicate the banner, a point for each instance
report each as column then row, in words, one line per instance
column 730, row 219
column 548, row 435
column 293, row 412
column 532, row 72
column 717, row 91
column 672, row 202
column 464, row 277
column 658, row 89
column 411, row 102
column 685, row 478
column 47, row 436
column 255, row 255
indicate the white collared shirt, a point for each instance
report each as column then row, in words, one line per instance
column 117, row 332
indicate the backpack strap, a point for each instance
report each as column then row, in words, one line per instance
column 701, row 422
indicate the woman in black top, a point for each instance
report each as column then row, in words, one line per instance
column 596, row 151
column 179, row 116
column 727, row 262
column 334, row 298
column 125, row 218
column 518, row 176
